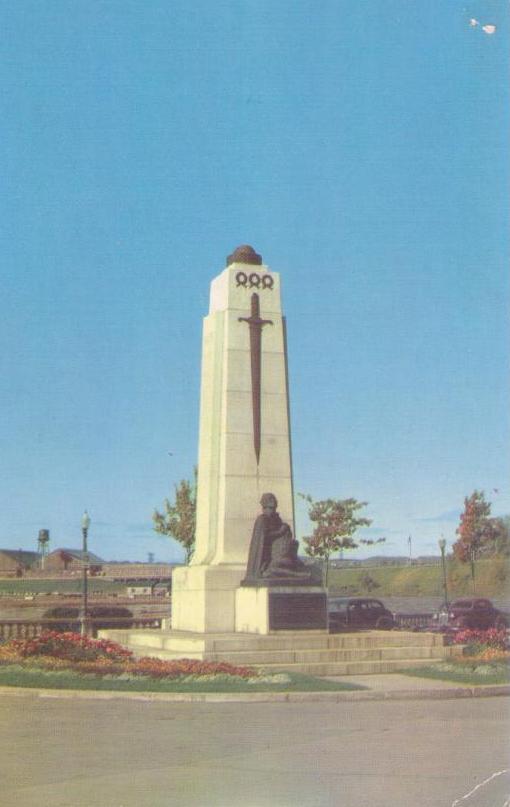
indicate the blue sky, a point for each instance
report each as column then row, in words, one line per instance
column 361, row 148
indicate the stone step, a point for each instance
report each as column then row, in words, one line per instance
column 286, row 657
column 289, row 658
column 328, row 655
column 161, row 641
column 348, row 668
column 325, row 640
column 311, row 652
column 228, row 643
column 309, row 666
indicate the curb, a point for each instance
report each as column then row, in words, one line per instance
column 261, row 697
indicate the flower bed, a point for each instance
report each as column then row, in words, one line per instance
column 68, row 646
column 489, row 646
column 485, row 659
column 99, row 657
column 477, row 640
column 68, row 661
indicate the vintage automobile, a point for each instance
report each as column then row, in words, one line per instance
column 470, row 612
column 357, row 613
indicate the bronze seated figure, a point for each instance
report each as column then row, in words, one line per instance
column 273, row 556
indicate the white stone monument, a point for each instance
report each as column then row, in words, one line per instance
column 246, row 598
column 244, row 442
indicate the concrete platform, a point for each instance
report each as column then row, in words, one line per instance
column 311, row 652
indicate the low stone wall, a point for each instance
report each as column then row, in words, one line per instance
column 26, row 629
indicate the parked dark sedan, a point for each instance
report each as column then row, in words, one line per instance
column 357, row 613
column 472, row 612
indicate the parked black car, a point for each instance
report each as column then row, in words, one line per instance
column 470, row 612
column 67, row 617
column 358, row 612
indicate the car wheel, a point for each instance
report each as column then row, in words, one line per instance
column 501, row 623
column 384, row 623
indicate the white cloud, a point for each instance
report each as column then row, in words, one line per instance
column 488, row 28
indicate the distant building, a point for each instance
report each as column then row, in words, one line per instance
column 70, row 560
column 15, row 562
column 139, row 591
column 162, row 589
column 131, row 572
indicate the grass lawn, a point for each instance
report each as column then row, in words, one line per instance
column 492, row 575
column 463, row 674
column 18, row 676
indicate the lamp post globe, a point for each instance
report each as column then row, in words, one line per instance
column 85, row 521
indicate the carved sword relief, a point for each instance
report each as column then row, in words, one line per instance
column 256, row 324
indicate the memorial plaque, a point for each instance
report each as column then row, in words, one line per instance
column 303, row 610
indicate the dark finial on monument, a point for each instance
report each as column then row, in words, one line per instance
column 244, row 254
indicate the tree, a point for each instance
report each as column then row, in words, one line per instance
column 478, row 533
column 336, row 522
column 501, row 535
column 367, row 582
column 178, row 521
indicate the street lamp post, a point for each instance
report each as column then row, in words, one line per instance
column 442, row 547
column 472, row 559
column 85, row 524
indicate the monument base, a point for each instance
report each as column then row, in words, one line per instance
column 265, row 609
column 211, row 599
column 302, row 651
column 203, row 598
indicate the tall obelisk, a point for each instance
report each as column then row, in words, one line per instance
column 244, row 442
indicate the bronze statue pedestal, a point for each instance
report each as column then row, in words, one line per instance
column 269, row 608
column 278, row 592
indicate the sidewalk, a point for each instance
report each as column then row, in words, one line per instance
column 394, row 682
column 393, row 686
column 396, row 686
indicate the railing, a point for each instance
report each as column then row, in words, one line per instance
column 27, row 629
column 413, row 621
column 43, row 597
column 352, row 563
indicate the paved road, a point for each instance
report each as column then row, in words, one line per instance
column 409, row 605
column 87, row 753
column 12, row 608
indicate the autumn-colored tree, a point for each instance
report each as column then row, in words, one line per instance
column 178, row 521
column 336, row 521
column 476, row 531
